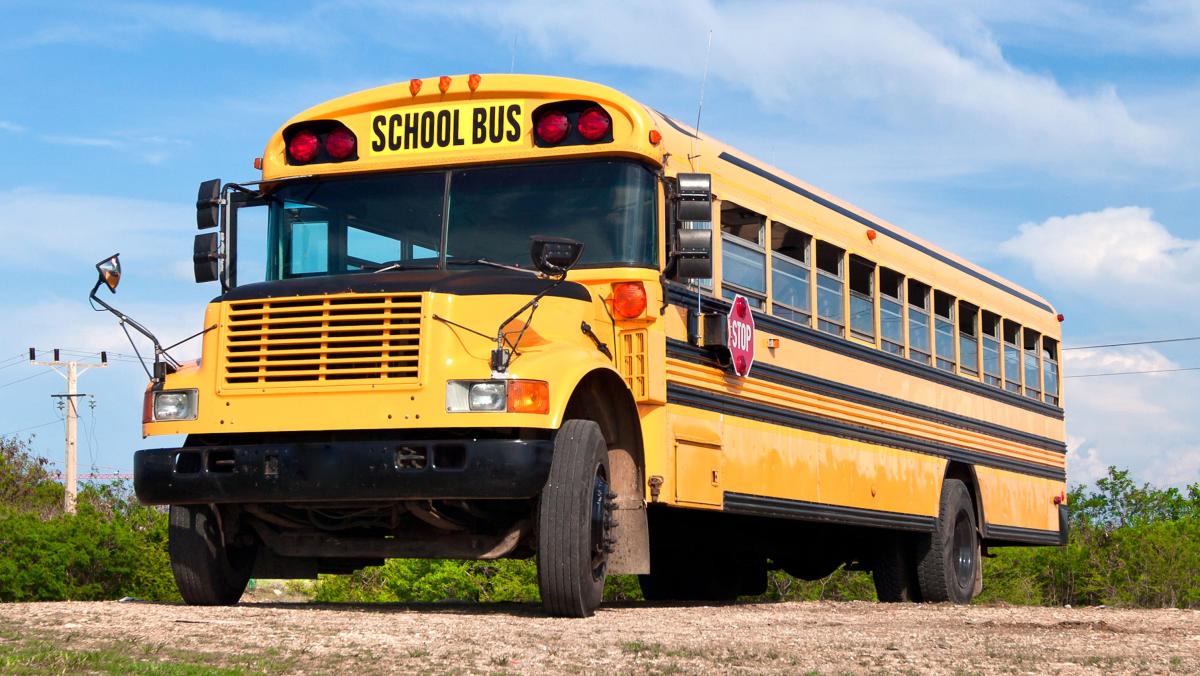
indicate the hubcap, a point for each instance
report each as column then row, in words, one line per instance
column 601, row 521
column 964, row 549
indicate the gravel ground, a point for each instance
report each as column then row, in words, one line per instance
column 822, row 637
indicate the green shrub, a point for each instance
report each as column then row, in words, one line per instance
column 111, row 547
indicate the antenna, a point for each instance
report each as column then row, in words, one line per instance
column 513, row 66
column 700, row 108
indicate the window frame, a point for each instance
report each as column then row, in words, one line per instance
column 807, row 265
column 757, row 299
column 925, row 311
column 841, row 279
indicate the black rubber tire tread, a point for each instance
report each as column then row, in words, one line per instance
column 935, row 565
column 894, row 571
column 200, row 562
column 564, row 559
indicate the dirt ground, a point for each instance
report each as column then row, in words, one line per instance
column 822, row 637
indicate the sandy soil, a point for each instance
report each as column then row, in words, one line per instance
column 636, row 638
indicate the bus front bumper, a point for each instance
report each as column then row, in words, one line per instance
column 337, row 471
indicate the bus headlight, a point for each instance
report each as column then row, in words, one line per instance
column 514, row 396
column 174, row 405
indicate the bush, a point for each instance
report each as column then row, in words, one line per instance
column 111, row 547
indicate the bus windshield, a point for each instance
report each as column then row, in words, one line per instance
column 367, row 223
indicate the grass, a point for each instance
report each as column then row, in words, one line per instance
column 29, row 653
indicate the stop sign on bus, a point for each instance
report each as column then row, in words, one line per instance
column 741, row 335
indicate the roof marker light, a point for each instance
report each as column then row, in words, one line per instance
column 871, row 235
column 414, row 86
column 258, row 163
column 473, row 81
column 655, row 137
column 443, row 83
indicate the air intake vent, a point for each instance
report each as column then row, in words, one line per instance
column 322, row 340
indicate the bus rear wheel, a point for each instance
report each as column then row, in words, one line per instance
column 207, row 571
column 948, row 564
column 894, row 570
column 575, row 522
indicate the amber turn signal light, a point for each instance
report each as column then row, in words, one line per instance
column 528, row 396
column 629, row 299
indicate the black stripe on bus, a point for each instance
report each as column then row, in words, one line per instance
column 784, row 183
column 683, row 297
column 683, row 351
column 757, row 505
column 1022, row 535
column 752, row 410
column 675, row 125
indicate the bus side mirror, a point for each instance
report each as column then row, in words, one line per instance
column 693, row 254
column 208, row 204
column 204, row 257
column 693, row 202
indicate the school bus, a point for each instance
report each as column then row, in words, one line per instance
column 524, row 316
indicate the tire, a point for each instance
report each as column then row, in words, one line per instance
column 206, row 571
column 574, row 522
column 894, row 570
column 947, row 567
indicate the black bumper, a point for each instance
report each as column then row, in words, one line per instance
column 344, row 470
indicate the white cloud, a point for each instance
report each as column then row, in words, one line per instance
column 149, row 149
column 821, row 62
column 1119, row 255
column 12, row 127
column 61, row 230
column 1146, row 423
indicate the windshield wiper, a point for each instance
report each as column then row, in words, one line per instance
column 400, row 265
column 484, row 261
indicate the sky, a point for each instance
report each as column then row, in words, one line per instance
column 1052, row 141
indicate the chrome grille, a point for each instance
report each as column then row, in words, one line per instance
column 323, row 339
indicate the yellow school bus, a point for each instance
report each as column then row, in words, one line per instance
column 523, row 316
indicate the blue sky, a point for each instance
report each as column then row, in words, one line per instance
column 1053, row 141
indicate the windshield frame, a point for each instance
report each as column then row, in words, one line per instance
column 648, row 246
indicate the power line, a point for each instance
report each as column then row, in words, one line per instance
column 1132, row 373
column 21, row 380
column 32, row 427
column 1136, row 342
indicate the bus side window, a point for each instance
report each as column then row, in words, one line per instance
column 743, row 260
column 791, row 291
column 891, row 311
column 943, row 309
column 1050, row 369
column 1012, row 356
column 991, row 348
column 918, row 322
column 831, row 262
column 862, row 298
column 968, row 339
column 1033, row 379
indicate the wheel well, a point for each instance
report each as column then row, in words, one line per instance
column 602, row 396
column 966, row 474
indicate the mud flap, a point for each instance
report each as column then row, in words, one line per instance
column 631, row 554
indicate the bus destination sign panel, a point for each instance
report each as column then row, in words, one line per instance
column 470, row 126
column 740, row 324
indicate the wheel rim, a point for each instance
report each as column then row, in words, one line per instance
column 964, row 549
column 601, row 522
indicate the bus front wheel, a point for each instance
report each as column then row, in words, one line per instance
column 575, row 522
column 207, row 571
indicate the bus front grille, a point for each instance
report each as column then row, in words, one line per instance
column 318, row 340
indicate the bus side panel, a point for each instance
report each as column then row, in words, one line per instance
column 1018, row 500
column 744, row 456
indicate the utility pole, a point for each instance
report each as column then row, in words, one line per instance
column 73, row 369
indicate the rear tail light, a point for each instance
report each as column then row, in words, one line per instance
column 551, row 127
column 303, row 147
column 594, row 124
column 340, row 144
column 629, row 299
